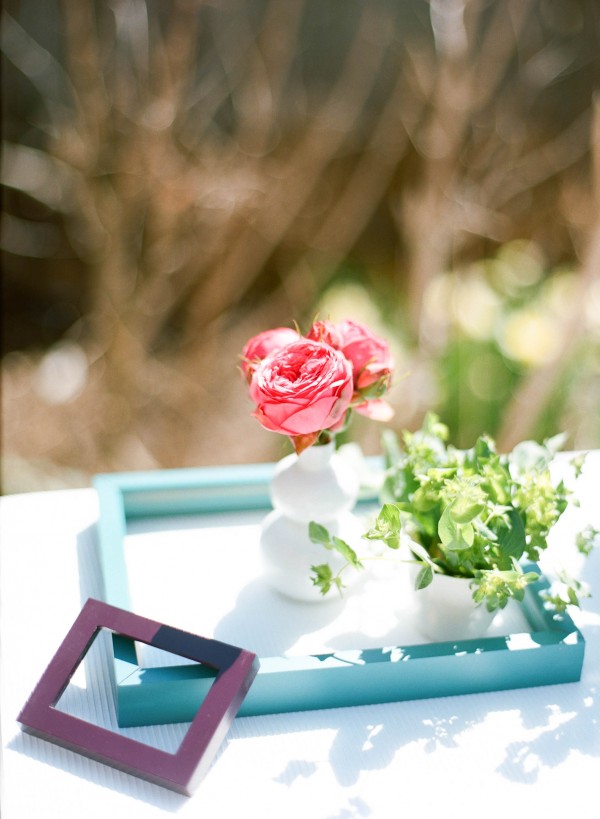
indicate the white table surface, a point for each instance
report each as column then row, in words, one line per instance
column 521, row 753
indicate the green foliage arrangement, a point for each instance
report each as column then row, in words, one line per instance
column 469, row 513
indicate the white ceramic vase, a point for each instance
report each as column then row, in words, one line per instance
column 445, row 610
column 320, row 485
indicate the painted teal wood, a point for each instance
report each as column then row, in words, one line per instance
column 552, row 653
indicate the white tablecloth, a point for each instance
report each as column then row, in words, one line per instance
column 524, row 753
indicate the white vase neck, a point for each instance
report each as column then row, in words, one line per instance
column 315, row 457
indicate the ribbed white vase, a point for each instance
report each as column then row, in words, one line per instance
column 320, row 485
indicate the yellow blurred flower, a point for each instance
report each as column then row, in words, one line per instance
column 530, row 336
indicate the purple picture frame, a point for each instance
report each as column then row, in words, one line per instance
column 182, row 771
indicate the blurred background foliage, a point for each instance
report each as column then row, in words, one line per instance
column 178, row 175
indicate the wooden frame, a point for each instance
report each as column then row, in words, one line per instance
column 233, row 670
column 551, row 653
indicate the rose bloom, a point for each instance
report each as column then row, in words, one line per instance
column 260, row 346
column 372, row 362
column 302, row 389
column 327, row 332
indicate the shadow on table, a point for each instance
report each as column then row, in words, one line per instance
column 265, row 622
column 555, row 731
column 369, row 737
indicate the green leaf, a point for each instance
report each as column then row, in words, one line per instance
column 499, row 489
column 424, row 577
column 433, row 426
column 529, row 456
column 465, row 509
column 586, row 539
column 346, row 551
column 454, row 536
column 467, row 534
column 319, row 534
column 447, row 528
column 530, row 577
column 419, row 551
column 386, row 526
column 512, row 541
column 390, row 515
column 578, row 463
column 322, row 577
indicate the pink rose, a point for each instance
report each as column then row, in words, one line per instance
column 260, row 346
column 372, row 362
column 327, row 332
column 302, row 389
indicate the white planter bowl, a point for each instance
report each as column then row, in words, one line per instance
column 445, row 610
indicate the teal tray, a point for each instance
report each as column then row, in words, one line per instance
column 552, row 652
